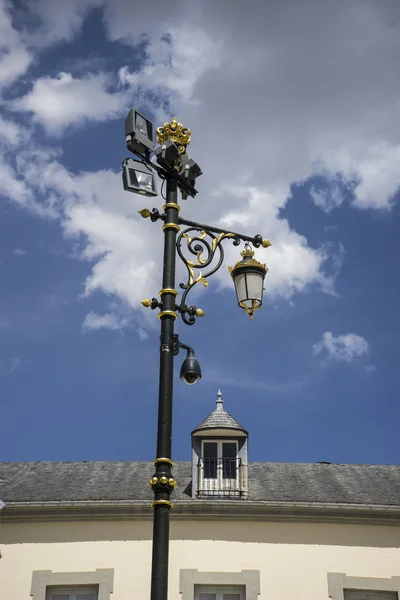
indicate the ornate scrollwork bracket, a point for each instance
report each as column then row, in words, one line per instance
column 205, row 245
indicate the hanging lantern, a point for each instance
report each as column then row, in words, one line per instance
column 248, row 276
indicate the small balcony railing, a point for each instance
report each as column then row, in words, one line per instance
column 221, row 477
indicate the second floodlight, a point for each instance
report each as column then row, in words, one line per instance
column 138, row 178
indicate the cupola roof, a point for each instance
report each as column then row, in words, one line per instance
column 219, row 419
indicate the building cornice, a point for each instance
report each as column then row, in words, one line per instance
column 197, row 510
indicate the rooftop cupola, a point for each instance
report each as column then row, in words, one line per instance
column 219, row 456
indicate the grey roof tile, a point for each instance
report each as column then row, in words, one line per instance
column 274, row 482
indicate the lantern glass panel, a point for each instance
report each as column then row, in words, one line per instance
column 255, row 282
column 241, row 288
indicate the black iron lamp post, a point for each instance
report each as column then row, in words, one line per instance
column 204, row 256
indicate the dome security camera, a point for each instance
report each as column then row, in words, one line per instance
column 190, row 369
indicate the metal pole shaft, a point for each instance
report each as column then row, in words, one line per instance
column 162, row 481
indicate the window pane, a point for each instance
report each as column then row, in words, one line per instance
column 231, row 596
column 207, row 596
column 210, row 449
column 210, row 468
column 228, row 450
column 59, row 597
column 86, row 596
column 229, row 468
column 229, row 461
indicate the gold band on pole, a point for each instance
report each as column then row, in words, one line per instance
column 167, row 313
column 168, row 291
column 162, row 502
column 170, row 226
column 171, row 205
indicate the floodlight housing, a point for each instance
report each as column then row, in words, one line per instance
column 139, row 133
column 138, row 178
column 191, row 171
column 167, row 154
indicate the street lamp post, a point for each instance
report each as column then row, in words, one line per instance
column 204, row 245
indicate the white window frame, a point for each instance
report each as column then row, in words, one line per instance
column 219, row 482
column 218, row 591
column 102, row 579
column 340, row 583
column 71, row 591
column 191, row 579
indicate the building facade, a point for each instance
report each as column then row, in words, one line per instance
column 239, row 530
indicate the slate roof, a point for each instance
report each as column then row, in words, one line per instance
column 219, row 419
column 269, row 482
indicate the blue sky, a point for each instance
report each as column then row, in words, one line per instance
column 293, row 116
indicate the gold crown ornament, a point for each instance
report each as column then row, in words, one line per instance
column 176, row 132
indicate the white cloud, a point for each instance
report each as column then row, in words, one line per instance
column 12, row 187
column 16, row 186
column 176, row 62
column 14, row 56
column 293, row 265
column 106, row 321
column 59, row 102
column 59, row 20
column 9, row 132
column 327, row 199
column 19, row 252
column 342, row 348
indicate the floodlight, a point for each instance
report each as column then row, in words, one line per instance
column 138, row 178
column 138, row 133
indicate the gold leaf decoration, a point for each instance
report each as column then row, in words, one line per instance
column 189, row 239
column 145, row 213
column 201, row 279
column 200, row 312
column 147, row 302
column 217, row 240
column 266, row 243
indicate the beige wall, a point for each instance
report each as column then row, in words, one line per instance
column 293, row 558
